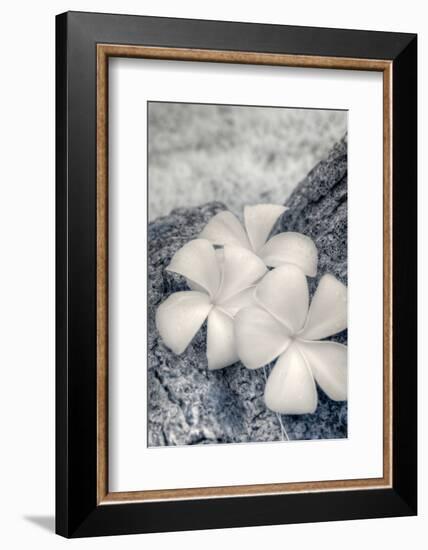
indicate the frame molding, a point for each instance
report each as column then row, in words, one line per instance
column 85, row 42
column 106, row 51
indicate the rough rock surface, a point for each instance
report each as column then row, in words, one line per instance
column 188, row 404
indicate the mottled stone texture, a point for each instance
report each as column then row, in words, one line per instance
column 319, row 209
column 188, row 404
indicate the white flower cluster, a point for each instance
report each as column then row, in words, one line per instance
column 256, row 314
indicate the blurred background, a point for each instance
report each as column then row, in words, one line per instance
column 233, row 154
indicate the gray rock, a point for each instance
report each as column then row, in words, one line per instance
column 188, row 404
column 319, row 209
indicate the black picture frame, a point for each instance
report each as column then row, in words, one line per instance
column 78, row 513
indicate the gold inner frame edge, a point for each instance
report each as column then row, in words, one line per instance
column 104, row 52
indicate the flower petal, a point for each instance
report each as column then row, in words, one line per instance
column 329, row 364
column 194, row 286
column 290, row 388
column 225, row 228
column 260, row 338
column 180, row 317
column 328, row 313
column 284, row 293
column 245, row 298
column 259, row 220
column 219, row 254
column 291, row 248
column 221, row 349
column 241, row 269
column 197, row 261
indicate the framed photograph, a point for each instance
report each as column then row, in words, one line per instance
column 236, row 274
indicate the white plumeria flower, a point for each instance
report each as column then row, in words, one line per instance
column 287, row 247
column 220, row 288
column 283, row 326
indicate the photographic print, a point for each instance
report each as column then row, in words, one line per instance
column 247, row 274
